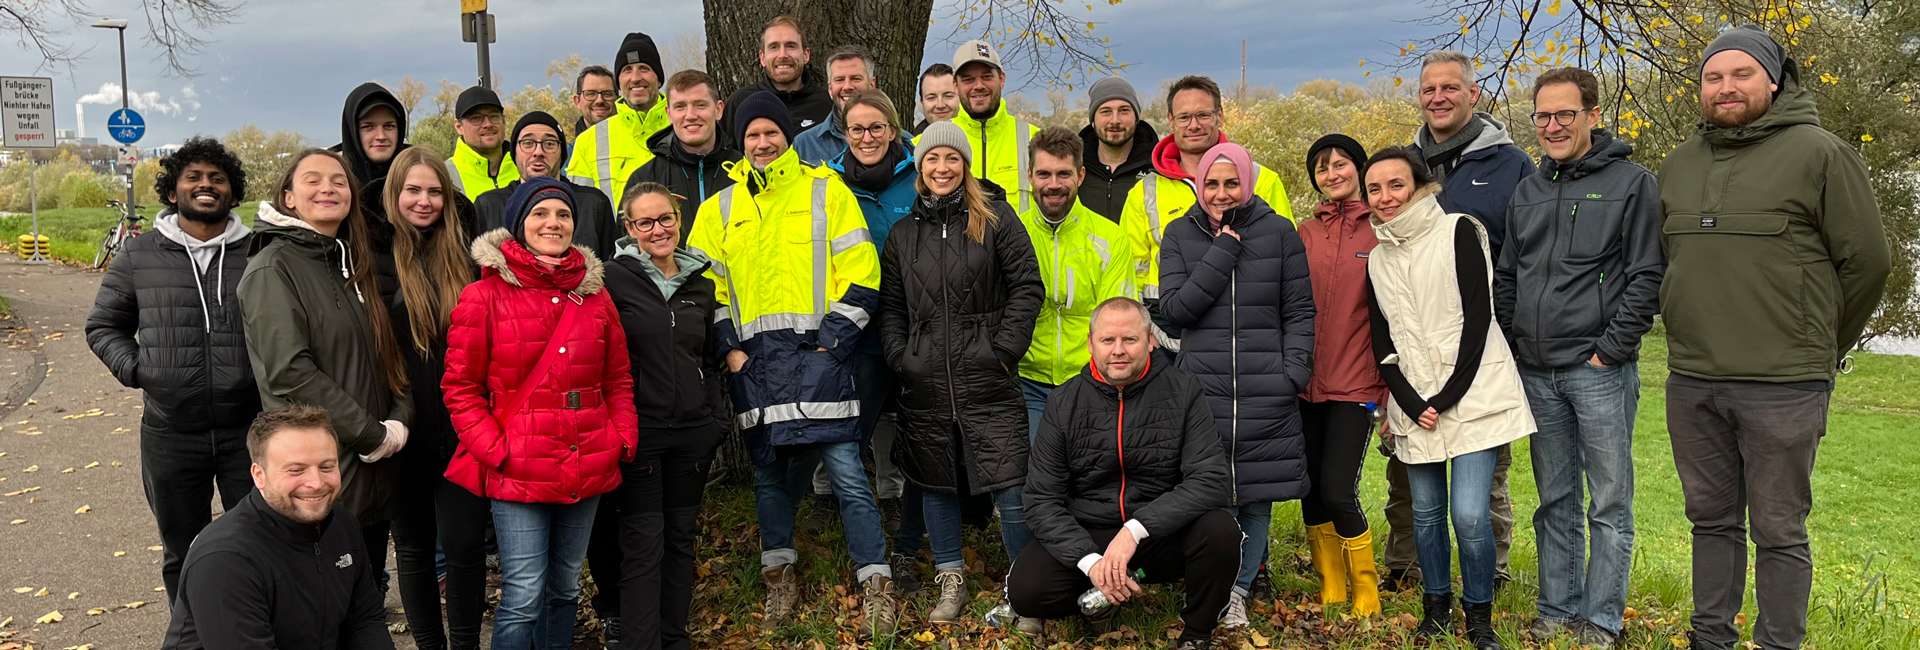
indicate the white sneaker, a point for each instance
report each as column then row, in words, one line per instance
column 1236, row 615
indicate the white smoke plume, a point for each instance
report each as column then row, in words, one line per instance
column 185, row 104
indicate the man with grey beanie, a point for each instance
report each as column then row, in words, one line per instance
column 1776, row 259
column 1124, row 144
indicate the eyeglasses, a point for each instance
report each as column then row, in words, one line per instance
column 647, row 225
column 858, row 132
column 1565, row 118
column 495, row 118
column 548, row 144
column 1192, row 118
column 602, row 95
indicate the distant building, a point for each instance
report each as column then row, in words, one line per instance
column 67, row 136
column 163, row 151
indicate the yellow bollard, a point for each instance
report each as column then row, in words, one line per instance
column 26, row 248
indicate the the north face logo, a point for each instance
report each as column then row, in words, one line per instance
column 346, row 560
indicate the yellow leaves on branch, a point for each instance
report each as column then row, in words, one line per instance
column 1554, row 9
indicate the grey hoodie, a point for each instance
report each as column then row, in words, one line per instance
column 203, row 252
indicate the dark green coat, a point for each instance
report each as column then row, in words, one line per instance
column 1776, row 257
column 310, row 342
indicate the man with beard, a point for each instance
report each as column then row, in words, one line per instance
column 1083, row 262
column 537, row 148
column 479, row 163
column 281, row 569
column 167, row 322
column 783, row 58
column 1776, row 258
column 608, row 152
column 939, row 101
column 688, row 157
column 594, row 96
column 849, row 71
column 999, row 139
column 1124, row 144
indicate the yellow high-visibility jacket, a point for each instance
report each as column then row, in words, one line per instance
column 469, row 171
column 606, row 154
column 1083, row 262
column 1000, row 152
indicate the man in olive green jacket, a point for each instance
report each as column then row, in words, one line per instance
column 1776, row 260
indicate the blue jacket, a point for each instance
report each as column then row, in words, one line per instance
column 882, row 209
column 1481, row 182
column 822, row 143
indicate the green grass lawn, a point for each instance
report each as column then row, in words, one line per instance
column 1864, row 547
column 76, row 232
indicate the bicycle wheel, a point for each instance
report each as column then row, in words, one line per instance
column 104, row 255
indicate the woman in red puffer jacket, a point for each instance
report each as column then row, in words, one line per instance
column 544, row 456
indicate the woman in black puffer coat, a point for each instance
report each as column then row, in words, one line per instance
column 1233, row 277
column 959, row 290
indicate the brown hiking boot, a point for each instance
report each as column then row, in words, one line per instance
column 783, row 591
column 877, row 603
column 953, row 596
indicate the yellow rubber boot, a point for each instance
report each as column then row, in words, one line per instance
column 1358, row 555
column 1330, row 562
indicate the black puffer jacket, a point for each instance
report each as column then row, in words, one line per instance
column 1105, row 191
column 955, row 319
column 431, row 439
column 190, row 359
column 1245, row 312
column 670, row 340
column 1164, row 452
column 692, row 176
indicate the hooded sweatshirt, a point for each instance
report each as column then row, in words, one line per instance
column 364, row 98
column 1776, row 256
column 1479, row 180
column 202, row 252
column 1105, row 190
column 809, row 105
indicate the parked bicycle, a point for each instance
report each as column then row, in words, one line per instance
column 126, row 228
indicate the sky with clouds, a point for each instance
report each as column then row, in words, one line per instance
column 288, row 64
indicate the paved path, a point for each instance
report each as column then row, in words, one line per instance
column 69, row 440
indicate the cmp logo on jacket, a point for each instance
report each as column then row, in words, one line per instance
column 346, row 560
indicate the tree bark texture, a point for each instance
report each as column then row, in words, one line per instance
column 894, row 30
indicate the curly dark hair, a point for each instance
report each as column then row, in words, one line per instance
column 206, row 150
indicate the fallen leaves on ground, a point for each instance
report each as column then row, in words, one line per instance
column 52, row 617
column 83, row 510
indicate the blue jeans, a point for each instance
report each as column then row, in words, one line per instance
column 1585, row 419
column 777, row 498
column 1256, row 523
column 1036, row 394
column 542, row 546
column 1468, row 494
column 943, row 525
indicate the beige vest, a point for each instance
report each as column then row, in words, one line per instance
column 1413, row 277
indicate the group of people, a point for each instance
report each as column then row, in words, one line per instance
column 539, row 342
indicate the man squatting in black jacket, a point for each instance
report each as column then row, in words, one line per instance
column 1127, row 446
column 167, row 322
column 281, row 569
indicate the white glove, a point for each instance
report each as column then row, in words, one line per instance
column 396, row 438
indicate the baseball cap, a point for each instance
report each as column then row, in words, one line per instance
column 473, row 98
column 976, row 51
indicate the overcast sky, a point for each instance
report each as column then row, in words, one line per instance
column 287, row 64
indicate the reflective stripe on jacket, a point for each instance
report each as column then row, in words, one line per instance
column 469, row 171
column 1000, row 152
column 763, row 243
column 1083, row 262
column 609, row 152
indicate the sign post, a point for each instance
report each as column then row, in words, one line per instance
column 476, row 26
column 26, row 117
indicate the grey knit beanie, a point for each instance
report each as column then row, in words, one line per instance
column 943, row 134
column 1755, row 42
column 1109, row 89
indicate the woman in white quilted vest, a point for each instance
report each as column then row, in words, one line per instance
column 1456, row 395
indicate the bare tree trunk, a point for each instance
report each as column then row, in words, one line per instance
column 895, row 30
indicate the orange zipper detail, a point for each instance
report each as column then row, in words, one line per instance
column 1120, row 440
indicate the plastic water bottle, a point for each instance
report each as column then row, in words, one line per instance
column 1093, row 600
column 1001, row 615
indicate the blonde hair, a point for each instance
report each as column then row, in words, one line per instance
column 432, row 269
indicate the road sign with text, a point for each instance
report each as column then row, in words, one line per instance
column 26, row 112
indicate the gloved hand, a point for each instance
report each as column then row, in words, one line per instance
column 396, row 439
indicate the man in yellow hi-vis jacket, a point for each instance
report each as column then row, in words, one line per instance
column 480, row 162
column 607, row 153
column 1194, row 116
column 999, row 139
column 798, row 280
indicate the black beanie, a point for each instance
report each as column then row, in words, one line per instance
column 542, row 118
column 1338, row 142
column 758, row 105
column 638, row 48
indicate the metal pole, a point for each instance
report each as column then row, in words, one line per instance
column 483, row 27
column 124, row 106
column 33, row 201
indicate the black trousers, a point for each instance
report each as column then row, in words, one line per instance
column 435, row 513
column 1338, row 434
column 1206, row 554
column 655, row 519
column 180, row 472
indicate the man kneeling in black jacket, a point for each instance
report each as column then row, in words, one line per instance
column 1127, row 474
column 282, row 569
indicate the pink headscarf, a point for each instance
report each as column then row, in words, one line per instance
column 1242, row 162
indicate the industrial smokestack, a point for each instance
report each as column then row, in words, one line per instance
column 80, row 120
